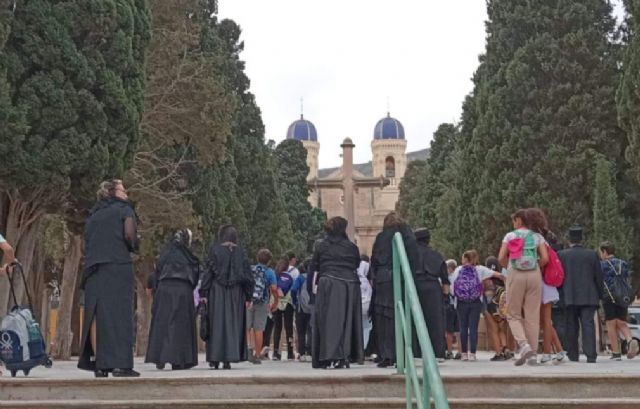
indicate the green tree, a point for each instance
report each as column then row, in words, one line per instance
column 75, row 78
column 608, row 222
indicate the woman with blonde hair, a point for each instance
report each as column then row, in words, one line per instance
column 108, row 282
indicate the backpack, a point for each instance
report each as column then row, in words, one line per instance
column 20, row 337
column 553, row 273
column 467, row 286
column 304, row 299
column 620, row 292
column 260, row 290
column 285, row 282
column 523, row 252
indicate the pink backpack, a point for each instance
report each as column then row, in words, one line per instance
column 553, row 273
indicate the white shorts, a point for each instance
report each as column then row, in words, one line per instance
column 549, row 294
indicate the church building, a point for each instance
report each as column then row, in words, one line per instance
column 374, row 186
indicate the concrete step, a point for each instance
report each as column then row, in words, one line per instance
column 478, row 387
column 346, row 403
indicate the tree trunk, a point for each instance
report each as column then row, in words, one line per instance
column 61, row 348
column 143, row 313
column 22, row 217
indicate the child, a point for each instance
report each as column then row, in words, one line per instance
column 451, row 315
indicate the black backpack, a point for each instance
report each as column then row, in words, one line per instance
column 620, row 291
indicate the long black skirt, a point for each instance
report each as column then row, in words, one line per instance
column 172, row 337
column 432, row 303
column 337, row 327
column 384, row 321
column 227, row 324
column 108, row 298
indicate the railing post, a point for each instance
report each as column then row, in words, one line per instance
column 397, row 294
column 408, row 340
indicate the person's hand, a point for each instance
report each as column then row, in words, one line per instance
column 148, row 291
column 248, row 304
column 203, row 300
column 273, row 307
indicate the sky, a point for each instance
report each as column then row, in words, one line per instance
column 352, row 60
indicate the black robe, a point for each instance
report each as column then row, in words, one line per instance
column 381, row 273
column 227, row 283
column 429, row 276
column 109, row 284
column 337, row 325
column 173, row 335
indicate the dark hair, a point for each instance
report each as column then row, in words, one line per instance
column 290, row 255
column 364, row 257
column 227, row 233
column 522, row 215
column 608, row 247
column 392, row 219
column 492, row 263
column 471, row 256
column 536, row 221
column 264, row 256
column 336, row 226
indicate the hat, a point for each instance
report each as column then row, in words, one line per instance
column 422, row 234
column 575, row 233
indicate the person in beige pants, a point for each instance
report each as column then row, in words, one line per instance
column 524, row 292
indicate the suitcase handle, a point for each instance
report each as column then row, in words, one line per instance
column 18, row 267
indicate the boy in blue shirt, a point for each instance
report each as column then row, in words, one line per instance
column 258, row 311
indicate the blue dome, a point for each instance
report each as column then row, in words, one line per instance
column 302, row 130
column 388, row 128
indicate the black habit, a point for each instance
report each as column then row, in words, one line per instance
column 431, row 274
column 173, row 336
column 337, row 327
column 227, row 283
column 108, row 282
column 381, row 273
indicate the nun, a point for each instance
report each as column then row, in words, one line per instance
column 432, row 284
column 108, row 282
column 337, row 327
column 172, row 337
column 227, row 289
column 381, row 273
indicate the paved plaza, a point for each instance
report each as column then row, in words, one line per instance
column 292, row 369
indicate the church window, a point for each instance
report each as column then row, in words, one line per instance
column 390, row 167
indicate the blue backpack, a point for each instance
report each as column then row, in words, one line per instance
column 467, row 286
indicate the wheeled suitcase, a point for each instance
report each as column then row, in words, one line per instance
column 22, row 345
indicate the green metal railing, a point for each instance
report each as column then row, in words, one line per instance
column 408, row 311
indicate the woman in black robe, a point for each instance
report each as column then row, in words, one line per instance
column 432, row 283
column 172, row 337
column 227, row 288
column 337, row 327
column 108, row 282
column 381, row 273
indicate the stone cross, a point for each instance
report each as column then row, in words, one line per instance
column 349, row 184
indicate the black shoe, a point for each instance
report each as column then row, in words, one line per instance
column 125, row 373
column 458, row 356
column 385, row 363
column 214, row 365
column 160, row 367
column 498, row 358
column 290, row 355
column 448, row 355
column 101, row 373
column 276, row 356
column 177, row 367
column 342, row 364
column 226, row 365
column 616, row 357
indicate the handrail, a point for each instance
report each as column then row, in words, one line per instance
column 408, row 311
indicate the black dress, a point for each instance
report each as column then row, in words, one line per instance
column 430, row 275
column 227, row 283
column 173, row 336
column 109, row 283
column 337, row 327
column 381, row 273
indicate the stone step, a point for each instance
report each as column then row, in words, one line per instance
column 345, row 403
column 478, row 387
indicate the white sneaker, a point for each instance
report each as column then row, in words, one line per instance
column 533, row 360
column 546, row 358
column 465, row 356
column 525, row 353
column 559, row 357
column 472, row 357
column 632, row 348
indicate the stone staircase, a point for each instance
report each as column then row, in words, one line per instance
column 589, row 391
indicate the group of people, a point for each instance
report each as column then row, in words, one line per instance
column 342, row 302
